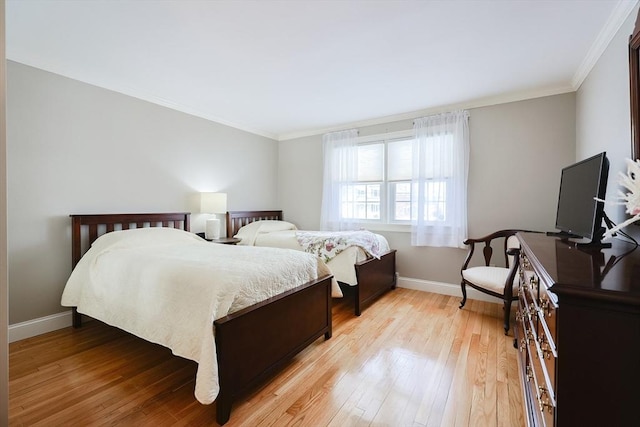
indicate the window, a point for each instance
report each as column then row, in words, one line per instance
column 361, row 198
column 398, row 167
column 416, row 177
column 360, row 201
column 382, row 191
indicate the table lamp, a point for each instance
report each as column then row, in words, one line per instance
column 213, row 203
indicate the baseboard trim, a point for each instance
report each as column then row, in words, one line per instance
column 31, row 328
column 42, row 325
column 443, row 288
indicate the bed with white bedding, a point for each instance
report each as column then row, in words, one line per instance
column 170, row 287
column 361, row 260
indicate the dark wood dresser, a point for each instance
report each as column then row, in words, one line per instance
column 578, row 333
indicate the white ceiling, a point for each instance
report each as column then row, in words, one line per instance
column 284, row 69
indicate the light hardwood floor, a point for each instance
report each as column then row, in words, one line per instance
column 411, row 359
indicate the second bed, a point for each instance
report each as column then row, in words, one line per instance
column 368, row 276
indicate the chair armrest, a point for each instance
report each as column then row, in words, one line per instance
column 513, row 270
column 494, row 235
column 471, row 244
column 513, row 251
column 487, row 250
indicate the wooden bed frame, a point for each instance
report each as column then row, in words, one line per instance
column 374, row 276
column 253, row 343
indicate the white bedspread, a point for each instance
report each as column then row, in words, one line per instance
column 168, row 286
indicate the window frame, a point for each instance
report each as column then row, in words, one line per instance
column 387, row 206
column 449, row 197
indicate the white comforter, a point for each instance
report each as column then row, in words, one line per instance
column 168, row 286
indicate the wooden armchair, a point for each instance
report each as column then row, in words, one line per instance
column 500, row 282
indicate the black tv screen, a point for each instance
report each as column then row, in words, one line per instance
column 578, row 213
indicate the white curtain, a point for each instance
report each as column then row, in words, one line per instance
column 439, row 180
column 340, row 151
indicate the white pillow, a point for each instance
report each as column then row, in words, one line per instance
column 144, row 236
column 249, row 232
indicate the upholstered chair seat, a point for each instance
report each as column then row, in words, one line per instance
column 491, row 278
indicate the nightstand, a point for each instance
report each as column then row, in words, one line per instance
column 222, row 240
column 226, row 240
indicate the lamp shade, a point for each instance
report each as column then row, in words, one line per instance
column 213, row 202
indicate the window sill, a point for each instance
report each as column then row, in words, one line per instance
column 400, row 228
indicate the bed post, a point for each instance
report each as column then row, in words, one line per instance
column 223, row 407
column 75, row 257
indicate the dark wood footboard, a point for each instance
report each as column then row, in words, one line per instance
column 375, row 277
column 255, row 342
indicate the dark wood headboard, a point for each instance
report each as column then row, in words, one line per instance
column 237, row 219
column 95, row 225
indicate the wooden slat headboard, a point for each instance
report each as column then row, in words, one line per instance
column 237, row 219
column 95, row 225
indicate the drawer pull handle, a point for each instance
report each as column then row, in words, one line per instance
column 530, row 337
column 545, row 307
column 544, row 403
column 523, row 345
column 545, row 347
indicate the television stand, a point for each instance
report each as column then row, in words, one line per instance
column 595, row 243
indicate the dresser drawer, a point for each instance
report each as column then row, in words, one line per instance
column 547, row 313
column 537, row 342
column 543, row 403
column 526, row 307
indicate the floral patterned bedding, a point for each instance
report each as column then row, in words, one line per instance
column 328, row 244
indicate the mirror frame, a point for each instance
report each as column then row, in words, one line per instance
column 634, row 88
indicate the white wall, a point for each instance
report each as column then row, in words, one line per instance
column 603, row 112
column 517, row 152
column 77, row 148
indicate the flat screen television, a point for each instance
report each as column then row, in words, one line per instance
column 579, row 215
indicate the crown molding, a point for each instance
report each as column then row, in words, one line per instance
column 618, row 16
column 480, row 102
